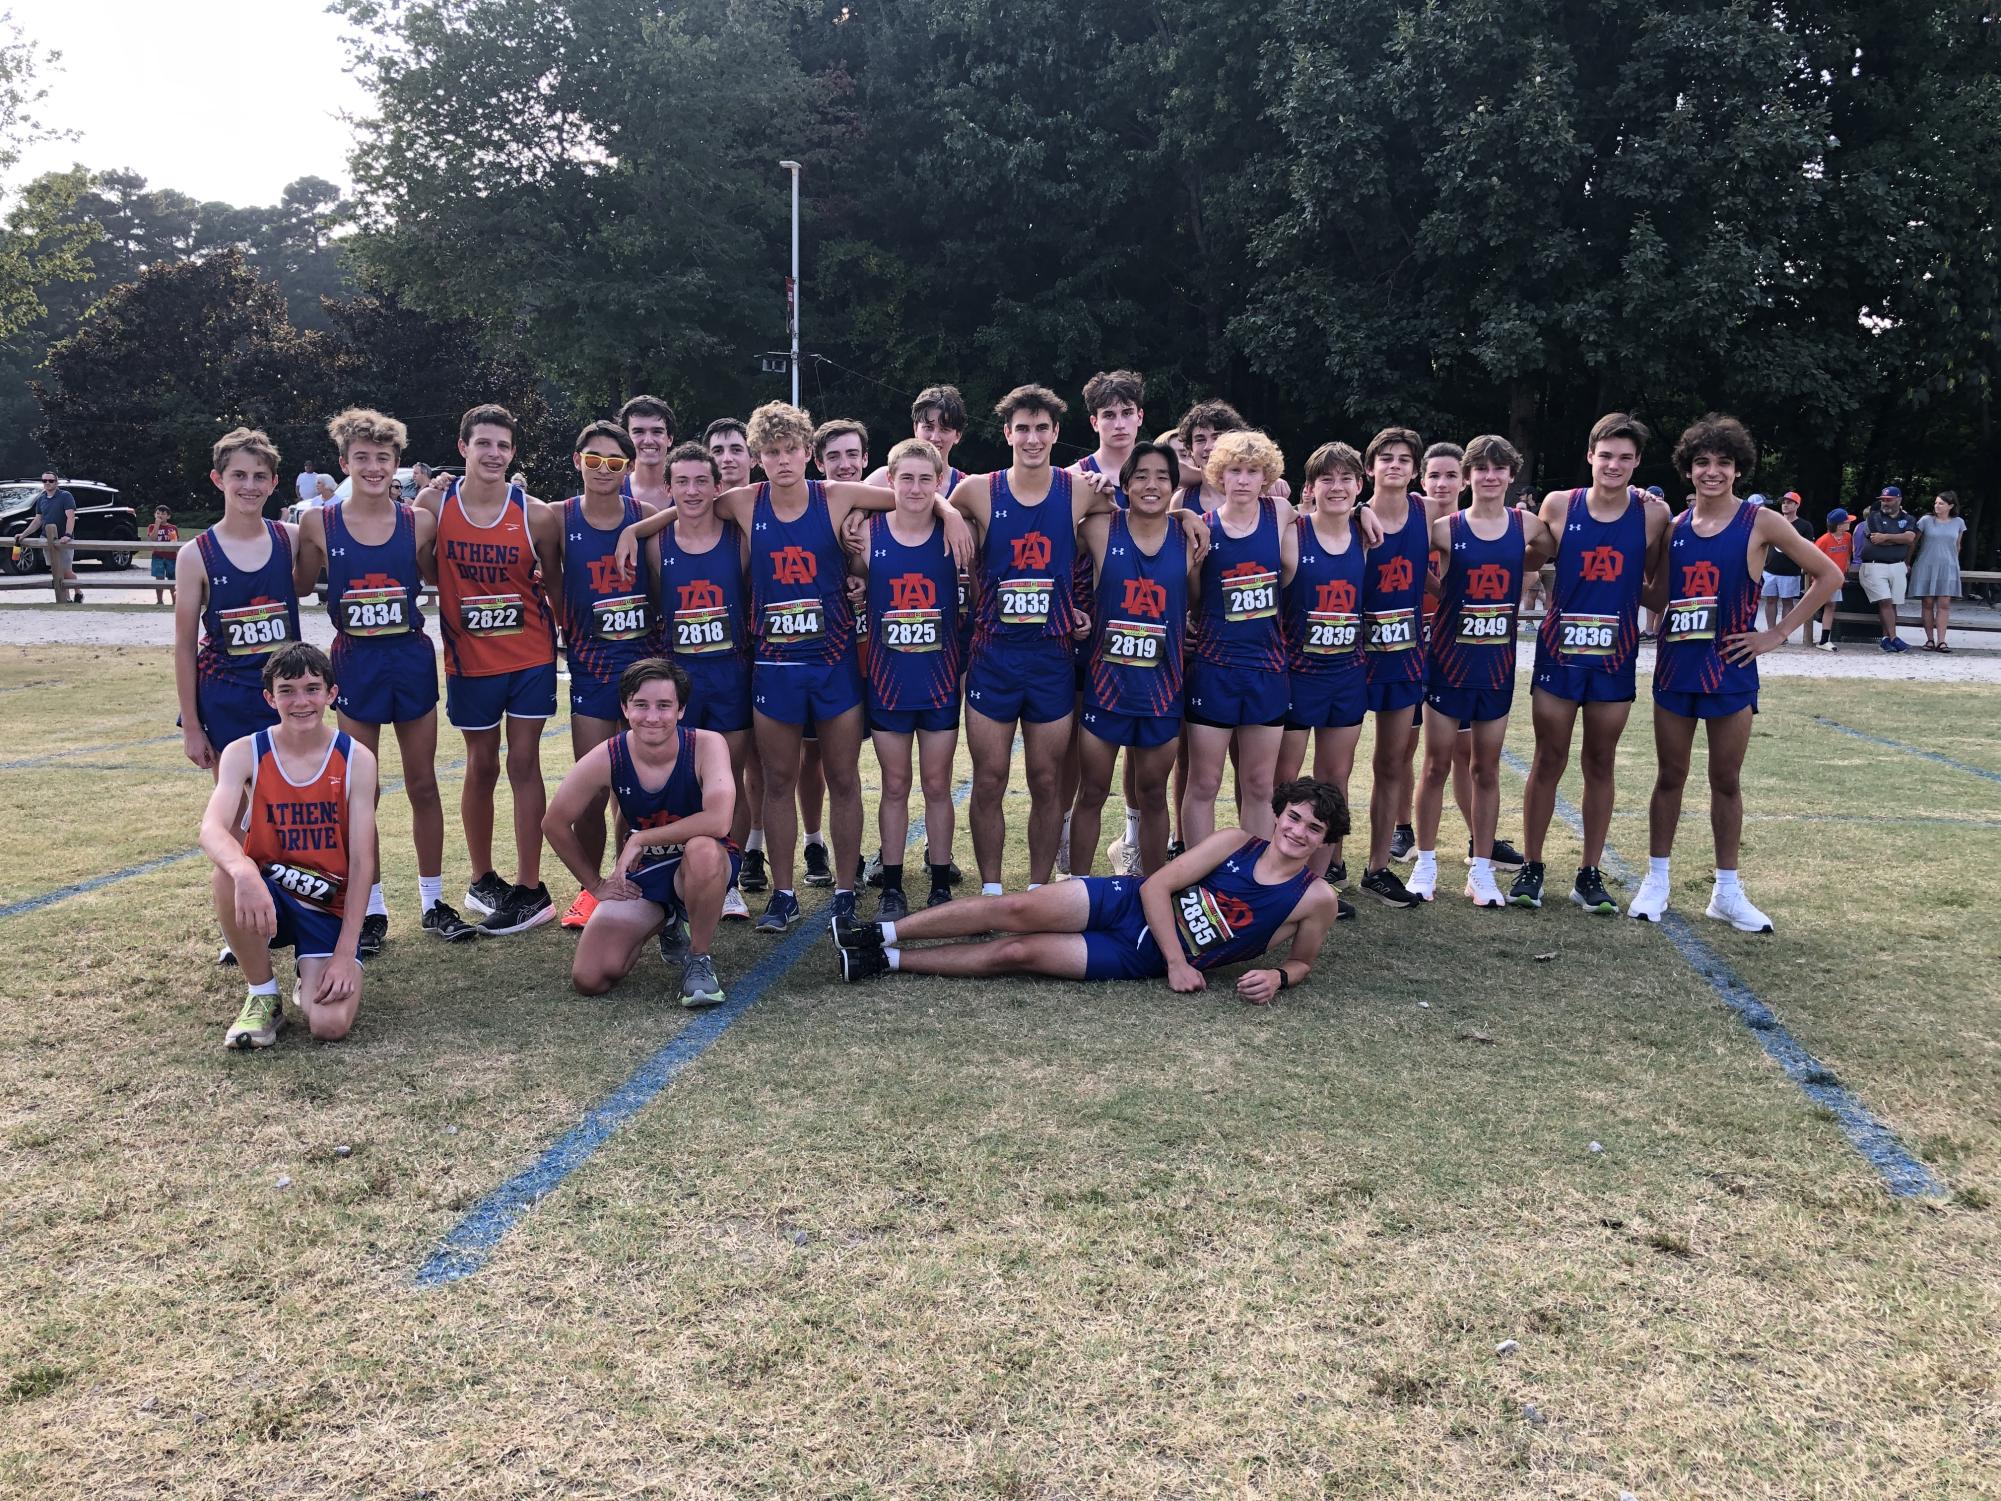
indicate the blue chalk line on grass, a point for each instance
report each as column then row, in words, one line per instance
column 1905, row 1176
column 1909, row 750
column 51, row 757
column 469, row 1243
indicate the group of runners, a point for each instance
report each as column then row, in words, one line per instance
column 731, row 642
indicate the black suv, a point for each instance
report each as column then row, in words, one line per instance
column 99, row 518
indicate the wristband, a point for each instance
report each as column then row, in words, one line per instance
column 1284, row 982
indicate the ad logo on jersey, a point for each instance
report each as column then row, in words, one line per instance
column 912, row 591
column 1031, row 550
column 606, row 575
column 1393, row 575
column 1145, row 597
column 794, row 565
column 701, row 594
column 1602, row 565
column 1336, row 597
column 1701, row 579
column 1488, row 581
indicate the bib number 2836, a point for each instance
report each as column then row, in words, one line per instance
column 1588, row 635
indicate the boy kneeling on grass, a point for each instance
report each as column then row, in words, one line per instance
column 292, row 813
column 1228, row 899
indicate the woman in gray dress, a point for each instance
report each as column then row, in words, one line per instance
column 1935, row 574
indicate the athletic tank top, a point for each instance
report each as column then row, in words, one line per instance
column 1392, row 595
column 1229, row 916
column 798, row 582
column 1712, row 594
column 1140, row 625
column 1090, row 465
column 296, row 832
column 249, row 614
column 1028, row 566
column 607, row 611
column 491, row 608
column 643, row 807
column 1594, row 608
column 372, row 591
column 1323, row 604
column 701, row 599
column 1238, row 621
column 913, row 596
column 1473, row 641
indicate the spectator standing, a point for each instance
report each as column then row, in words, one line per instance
column 1883, row 546
column 55, row 519
column 163, row 530
column 308, row 486
column 1935, row 575
column 1838, row 542
column 1782, row 574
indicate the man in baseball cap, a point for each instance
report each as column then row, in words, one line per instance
column 1782, row 575
column 1883, row 545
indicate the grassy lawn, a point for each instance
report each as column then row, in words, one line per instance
column 1020, row 1239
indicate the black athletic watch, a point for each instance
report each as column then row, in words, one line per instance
column 1284, row 980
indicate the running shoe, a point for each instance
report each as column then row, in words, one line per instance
column 442, row 922
column 1337, row 873
column 1403, row 843
column 674, row 943
column 257, row 1025
column 752, row 877
column 819, row 872
column 843, row 905
column 939, row 896
column 1825, row 646
column 486, row 894
column 780, row 913
column 734, row 909
column 1505, row 854
column 1343, row 908
column 1385, row 886
column 699, row 985
column 580, row 910
column 1899, row 644
column 1735, row 908
column 374, row 933
column 1651, row 900
column 1423, row 882
column 953, row 875
column 860, row 964
column 525, row 907
column 850, row 932
column 1118, row 853
column 893, row 905
column 1589, row 892
column 872, row 872
column 1481, row 890
column 226, row 959
column 1527, row 888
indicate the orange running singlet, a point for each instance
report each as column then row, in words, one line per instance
column 296, row 832
column 491, row 608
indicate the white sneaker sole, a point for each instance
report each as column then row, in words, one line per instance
column 1500, row 900
column 474, row 904
column 1742, row 927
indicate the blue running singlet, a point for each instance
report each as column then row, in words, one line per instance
column 1473, row 640
column 1712, row 594
column 1140, row 625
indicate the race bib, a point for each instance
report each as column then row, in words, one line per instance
column 1251, row 596
column 492, row 614
column 1025, row 601
column 1331, row 633
column 698, row 633
column 1135, row 643
column 375, row 612
column 912, row 630
column 625, row 618
column 1485, row 625
column 1689, row 620
column 254, row 630
column 1201, row 921
column 1392, row 630
column 312, row 888
column 1587, row 635
column 791, row 621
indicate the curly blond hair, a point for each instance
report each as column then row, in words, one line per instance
column 1245, row 449
column 777, row 423
column 366, row 425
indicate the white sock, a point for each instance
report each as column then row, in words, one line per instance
column 990, row 888
column 1657, row 865
column 1482, row 866
column 1132, row 826
column 888, row 932
column 813, row 837
column 1066, row 827
column 1033, row 885
column 1427, row 860
column 376, row 906
column 1726, row 880
column 430, row 891
column 269, row 987
column 754, row 840
column 895, row 958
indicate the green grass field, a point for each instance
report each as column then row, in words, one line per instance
column 1018, row 1239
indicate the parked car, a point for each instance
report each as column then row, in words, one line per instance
column 99, row 518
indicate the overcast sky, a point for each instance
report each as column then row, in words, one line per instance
column 222, row 99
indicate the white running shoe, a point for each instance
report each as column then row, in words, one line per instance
column 1423, row 880
column 1735, row 908
column 1482, row 891
column 1652, row 900
column 734, row 909
column 1118, row 854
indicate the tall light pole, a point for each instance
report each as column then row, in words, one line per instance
column 792, row 284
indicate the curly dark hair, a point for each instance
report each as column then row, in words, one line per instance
column 1330, row 808
column 1720, row 434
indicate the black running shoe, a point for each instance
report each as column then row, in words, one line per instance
column 939, row 896
column 486, row 894
column 818, row 871
column 1527, row 888
column 674, row 944
column 1403, row 843
column 850, row 932
column 1388, row 888
column 525, row 907
column 892, row 905
column 444, row 923
column 752, row 877
column 374, row 931
column 871, row 876
column 1505, row 855
column 1175, row 849
column 1337, row 873
column 860, row 964
column 1343, row 909
column 1589, row 892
